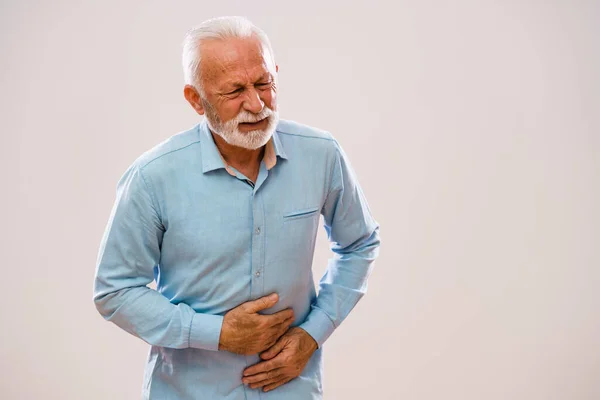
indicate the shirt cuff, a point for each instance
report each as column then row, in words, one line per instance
column 318, row 325
column 205, row 331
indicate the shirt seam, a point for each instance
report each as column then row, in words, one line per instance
column 150, row 190
column 169, row 152
column 337, row 153
column 189, row 344
column 330, row 139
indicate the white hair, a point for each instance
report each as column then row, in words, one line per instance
column 216, row 28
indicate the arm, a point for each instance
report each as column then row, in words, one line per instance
column 129, row 251
column 354, row 237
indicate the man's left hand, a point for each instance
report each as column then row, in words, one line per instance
column 284, row 361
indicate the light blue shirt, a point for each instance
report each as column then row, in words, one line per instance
column 213, row 241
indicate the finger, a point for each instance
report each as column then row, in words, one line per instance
column 277, row 332
column 283, row 325
column 274, row 385
column 274, row 350
column 264, row 376
column 280, row 316
column 264, row 366
column 286, row 325
column 262, row 303
column 267, row 382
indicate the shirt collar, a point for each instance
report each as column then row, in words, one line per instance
column 212, row 158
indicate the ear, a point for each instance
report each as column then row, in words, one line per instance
column 191, row 95
column 276, row 68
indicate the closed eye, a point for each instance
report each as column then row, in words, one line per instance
column 236, row 91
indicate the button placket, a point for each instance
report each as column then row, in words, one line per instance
column 258, row 242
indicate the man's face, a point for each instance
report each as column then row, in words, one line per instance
column 240, row 93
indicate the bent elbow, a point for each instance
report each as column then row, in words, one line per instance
column 366, row 246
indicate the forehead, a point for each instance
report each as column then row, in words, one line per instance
column 234, row 59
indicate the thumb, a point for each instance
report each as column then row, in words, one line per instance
column 273, row 350
column 262, row 303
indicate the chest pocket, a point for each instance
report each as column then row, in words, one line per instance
column 300, row 214
column 298, row 233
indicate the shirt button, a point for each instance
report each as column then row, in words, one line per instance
column 257, row 274
column 257, row 230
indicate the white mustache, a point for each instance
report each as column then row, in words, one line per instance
column 246, row 116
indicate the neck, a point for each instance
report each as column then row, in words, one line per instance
column 238, row 156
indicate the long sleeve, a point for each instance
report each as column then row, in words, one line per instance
column 354, row 238
column 129, row 252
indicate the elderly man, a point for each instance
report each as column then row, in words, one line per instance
column 224, row 217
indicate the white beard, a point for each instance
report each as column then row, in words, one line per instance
column 230, row 132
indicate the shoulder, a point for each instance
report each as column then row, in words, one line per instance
column 171, row 150
column 304, row 136
column 307, row 137
column 295, row 129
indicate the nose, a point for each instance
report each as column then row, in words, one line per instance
column 253, row 102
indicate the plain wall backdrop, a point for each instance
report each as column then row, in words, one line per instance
column 473, row 127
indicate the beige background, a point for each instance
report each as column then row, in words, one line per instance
column 474, row 130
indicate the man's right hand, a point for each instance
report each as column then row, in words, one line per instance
column 244, row 331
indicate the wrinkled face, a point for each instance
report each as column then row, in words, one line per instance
column 240, row 93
